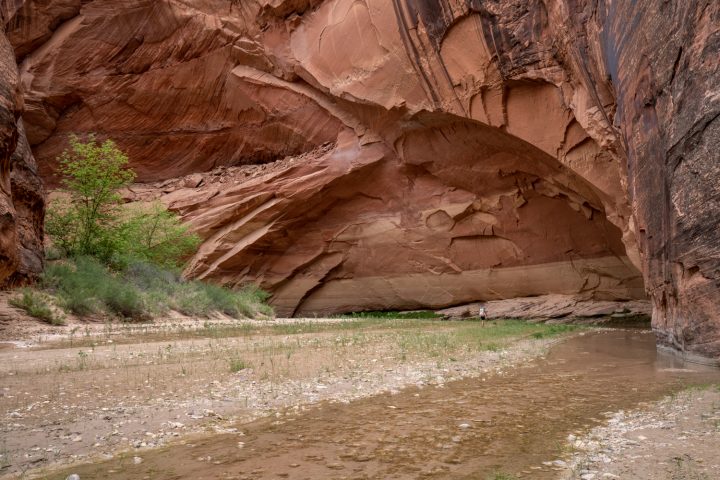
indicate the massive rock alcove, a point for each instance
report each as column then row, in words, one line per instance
column 417, row 153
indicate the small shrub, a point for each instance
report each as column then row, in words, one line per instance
column 125, row 300
column 147, row 276
column 154, row 234
column 35, row 305
column 220, row 299
column 265, row 309
column 237, row 364
column 200, row 299
column 76, row 285
column 82, row 360
column 253, row 300
column 85, row 286
column 191, row 301
column 77, row 302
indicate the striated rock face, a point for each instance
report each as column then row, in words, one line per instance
column 21, row 192
column 661, row 61
column 554, row 307
column 8, row 141
column 420, row 153
column 669, row 115
column 350, row 226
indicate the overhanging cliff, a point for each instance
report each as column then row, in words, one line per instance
column 419, row 153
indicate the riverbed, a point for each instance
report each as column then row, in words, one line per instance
column 514, row 423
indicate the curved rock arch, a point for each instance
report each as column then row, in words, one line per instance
column 350, row 104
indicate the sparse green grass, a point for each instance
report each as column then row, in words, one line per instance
column 344, row 325
column 274, row 354
column 84, row 286
column 36, row 305
column 238, row 364
column 702, row 386
column 501, row 476
column 412, row 334
column 476, row 336
column 554, row 330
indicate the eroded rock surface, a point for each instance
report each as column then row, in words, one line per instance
column 424, row 153
column 669, row 114
column 21, row 191
column 353, row 235
column 567, row 307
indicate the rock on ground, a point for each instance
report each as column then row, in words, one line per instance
column 677, row 438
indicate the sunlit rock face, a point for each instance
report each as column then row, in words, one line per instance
column 420, row 153
column 21, row 192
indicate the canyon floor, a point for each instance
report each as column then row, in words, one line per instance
column 347, row 398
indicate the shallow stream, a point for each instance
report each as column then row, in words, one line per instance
column 511, row 423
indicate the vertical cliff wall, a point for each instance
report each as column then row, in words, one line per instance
column 21, row 192
column 416, row 153
column 663, row 59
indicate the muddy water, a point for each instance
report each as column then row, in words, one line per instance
column 467, row 429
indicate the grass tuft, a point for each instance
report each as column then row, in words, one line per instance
column 501, row 476
column 36, row 305
column 237, row 365
column 553, row 330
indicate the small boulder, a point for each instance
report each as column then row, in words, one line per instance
column 193, row 181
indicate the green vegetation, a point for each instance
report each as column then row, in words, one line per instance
column 84, row 223
column 84, row 286
column 553, row 330
column 476, row 336
column 501, row 476
column 124, row 260
column 36, row 305
column 237, row 364
column 344, row 325
column 274, row 350
column 90, row 220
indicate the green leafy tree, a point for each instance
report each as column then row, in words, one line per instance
column 93, row 173
column 89, row 217
column 156, row 235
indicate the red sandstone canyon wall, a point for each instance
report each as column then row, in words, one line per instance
column 415, row 153
column 21, row 191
